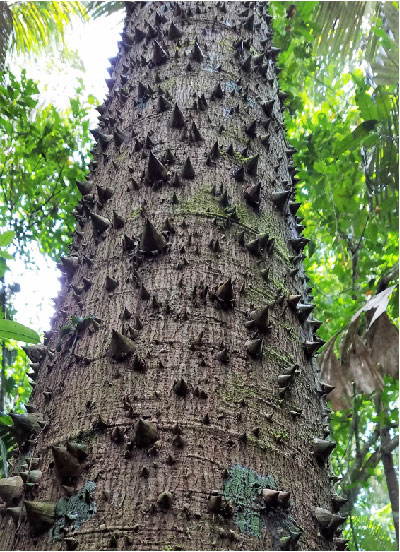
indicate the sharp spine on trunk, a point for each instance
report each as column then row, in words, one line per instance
column 85, row 187
column 40, row 515
column 303, row 311
column 188, row 171
column 246, row 65
column 251, row 164
column 174, row 33
column 215, row 153
column 138, row 364
column 177, row 120
column 254, row 247
column 253, row 195
column 338, row 501
column 163, row 104
column 145, row 433
column 254, row 347
column 196, row 54
column 259, row 320
column 328, row 521
column 294, row 206
column 239, row 174
column 222, row 355
column 118, row 221
column 160, row 56
column 11, row 488
column 104, row 139
column 251, row 130
column 283, row 499
column 181, row 388
column 224, row 294
column 280, row 199
column 311, row 347
column 68, row 465
column 293, row 300
column 323, row 448
column 128, row 243
column 100, row 224
column 326, row 388
column 268, row 107
column 121, row 347
column 104, row 193
column 119, row 137
column 139, row 34
column 249, row 23
column 164, row 500
column 299, row 244
column 196, row 133
column 155, row 169
column 217, row 92
column 111, row 284
column 151, row 240
column 270, row 497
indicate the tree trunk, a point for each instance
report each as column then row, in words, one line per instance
column 184, row 392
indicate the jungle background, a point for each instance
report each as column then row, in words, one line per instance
column 339, row 68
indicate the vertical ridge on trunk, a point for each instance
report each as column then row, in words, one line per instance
column 184, row 373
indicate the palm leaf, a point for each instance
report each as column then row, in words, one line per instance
column 98, row 9
column 36, row 24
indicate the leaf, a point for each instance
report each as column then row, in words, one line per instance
column 363, row 360
column 353, row 140
column 13, row 330
column 6, row 238
column 379, row 302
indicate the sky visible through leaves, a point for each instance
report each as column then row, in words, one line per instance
column 57, row 78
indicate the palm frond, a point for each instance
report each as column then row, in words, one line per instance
column 35, row 24
column 98, row 9
column 341, row 29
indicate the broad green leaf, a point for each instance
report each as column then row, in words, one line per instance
column 6, row 238
column 13, row 330
column 353, row 140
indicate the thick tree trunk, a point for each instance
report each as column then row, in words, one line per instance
column 193, row 400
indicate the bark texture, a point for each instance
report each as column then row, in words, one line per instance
column 176, row 397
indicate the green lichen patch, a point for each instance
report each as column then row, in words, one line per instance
column 282, row 360
column 136, row 212
column 73, row 511
column 202, row 203
column 235, row 391
column 261, row 222
column 243, row 489
column 260, row 294
column 293, row 333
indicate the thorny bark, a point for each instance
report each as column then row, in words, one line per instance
column 224, row 413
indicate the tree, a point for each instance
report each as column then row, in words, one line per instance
column 176, row 402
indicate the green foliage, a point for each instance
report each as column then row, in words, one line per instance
column 343, row 122
column 372, row 532
column 42, row 154
column 9, row 329
column 37, row 24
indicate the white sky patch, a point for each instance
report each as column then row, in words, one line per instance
column 95, row 42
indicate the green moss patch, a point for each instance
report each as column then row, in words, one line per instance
column 73, row 511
